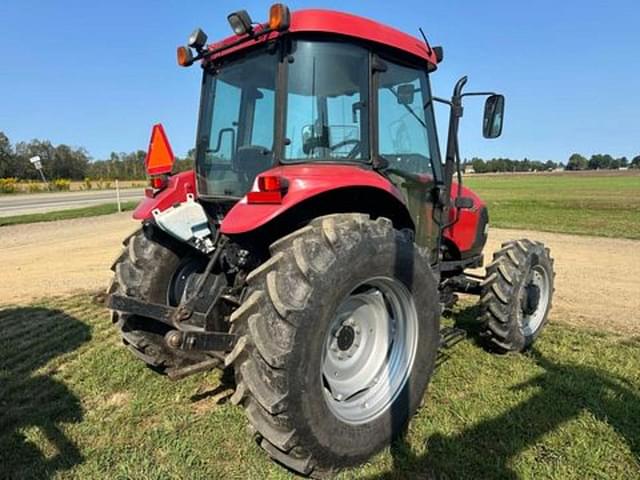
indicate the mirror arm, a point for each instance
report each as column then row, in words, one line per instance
column 440, row 100
column 452, row 161
column 452, row 138
column 478, row 94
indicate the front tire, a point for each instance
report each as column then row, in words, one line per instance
column 340, row 265
column 516, row 295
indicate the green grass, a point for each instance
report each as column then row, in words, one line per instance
column 94, row 211
column 587, row 204
column 75, row 404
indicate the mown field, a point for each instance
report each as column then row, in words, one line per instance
column 586, row 203
column 594, row 203
column 75, row 404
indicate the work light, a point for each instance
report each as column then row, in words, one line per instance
column 240, row 22
column 197, row 39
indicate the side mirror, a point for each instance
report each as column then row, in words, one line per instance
column 406, row 94
column 493, row 116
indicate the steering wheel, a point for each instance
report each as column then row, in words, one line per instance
column 352, row 141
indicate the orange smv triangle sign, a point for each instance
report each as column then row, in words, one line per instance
column 160, row 157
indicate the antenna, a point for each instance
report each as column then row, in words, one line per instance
column 426, row 42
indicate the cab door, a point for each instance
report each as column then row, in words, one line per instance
column 407, row 142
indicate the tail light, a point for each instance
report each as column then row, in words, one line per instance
column 271, row 189
column 158, row 183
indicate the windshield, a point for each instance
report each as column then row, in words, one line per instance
column 327, row 111
column 236, row 131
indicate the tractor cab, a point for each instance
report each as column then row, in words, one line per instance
column 305, row 99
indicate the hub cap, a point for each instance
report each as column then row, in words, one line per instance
column 183, row 279
column 534, row 300
column 369, row 350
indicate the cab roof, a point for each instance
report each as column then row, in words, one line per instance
column 339, row 23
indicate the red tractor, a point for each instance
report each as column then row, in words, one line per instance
column 320, row 237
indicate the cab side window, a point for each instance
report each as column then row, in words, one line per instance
column 406, row 133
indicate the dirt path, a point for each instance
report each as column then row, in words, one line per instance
column 44, row 259
column 597, row 282
column 597, row 279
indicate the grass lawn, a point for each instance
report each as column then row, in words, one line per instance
column 94, row 211
column 75, row 404
column 588, row 204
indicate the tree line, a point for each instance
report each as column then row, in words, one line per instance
column 601, row 162
column 64, row 161
column 575, row 162
column 508, row 165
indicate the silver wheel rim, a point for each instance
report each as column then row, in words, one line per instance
column 369, row 350
column 531, row 322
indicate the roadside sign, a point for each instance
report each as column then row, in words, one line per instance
column 37, row 163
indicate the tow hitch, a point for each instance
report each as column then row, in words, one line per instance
column 185, row 337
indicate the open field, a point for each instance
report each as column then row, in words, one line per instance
column 75, row 404
column 594, row 203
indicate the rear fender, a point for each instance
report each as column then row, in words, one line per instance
column 176, row 191
column 319, row 190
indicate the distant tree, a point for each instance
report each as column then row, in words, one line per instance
column 61, row 161
column 624, row 162
column 635, row 162
column 600, row 162
column 577, row 162
column 6, row 156
column 187, row 163
column 479, row 165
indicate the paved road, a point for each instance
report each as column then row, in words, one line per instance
column 47, row 202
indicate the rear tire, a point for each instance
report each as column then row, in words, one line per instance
column 144, row 270
column 284, row 329
column 516, row 295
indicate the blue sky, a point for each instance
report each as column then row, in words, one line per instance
column 99, row 74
